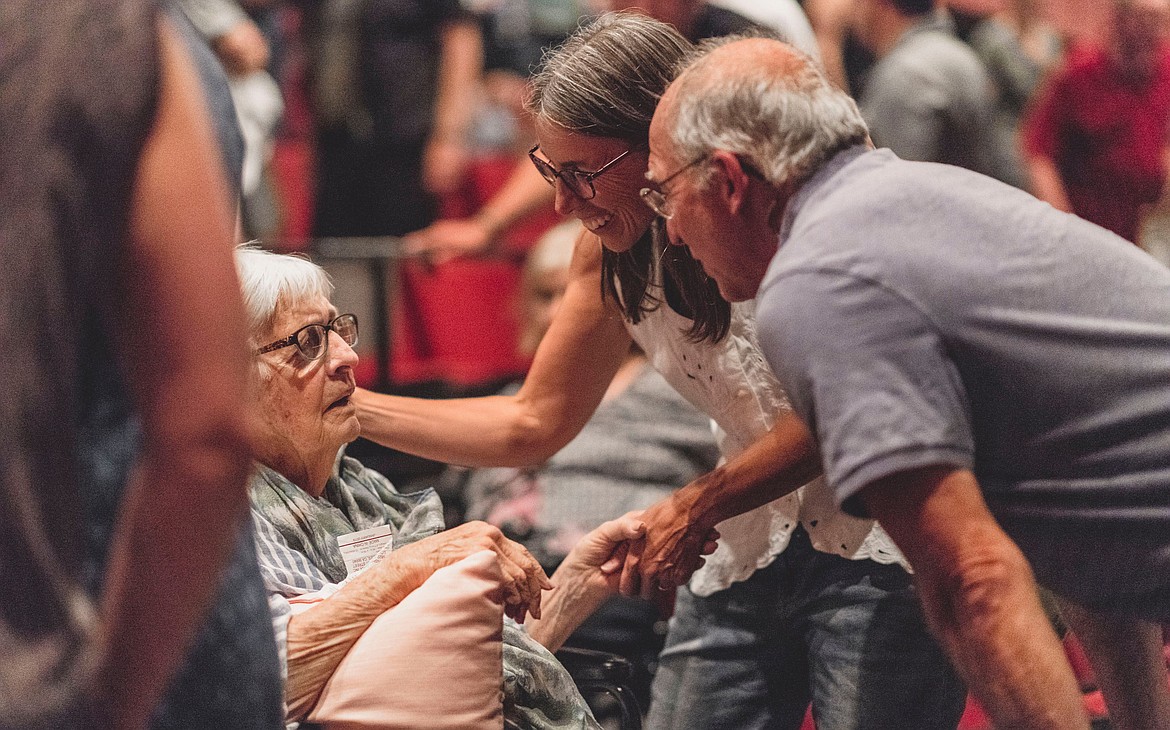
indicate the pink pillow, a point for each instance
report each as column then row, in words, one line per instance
column 433, row 661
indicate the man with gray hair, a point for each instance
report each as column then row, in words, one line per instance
column 995, row 419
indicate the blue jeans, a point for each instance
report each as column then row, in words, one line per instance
column 847, row 635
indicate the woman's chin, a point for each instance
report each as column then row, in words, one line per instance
column 617, row 241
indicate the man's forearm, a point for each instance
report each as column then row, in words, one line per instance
column 781, row 461
column 989, row 619
column 979, row 597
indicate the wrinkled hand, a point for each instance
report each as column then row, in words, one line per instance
column 444, row 165
column 242, row 50
column 448, row 239
column 524, row 579
column 597, row 558
column 671, row 552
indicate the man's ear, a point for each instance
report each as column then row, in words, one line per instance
column 733, row 185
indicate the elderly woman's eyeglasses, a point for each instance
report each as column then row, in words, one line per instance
column 312, row 340
column 579, row 182
column 655, row 197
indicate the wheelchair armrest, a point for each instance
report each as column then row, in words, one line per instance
column 589, row 666
column 597, row 672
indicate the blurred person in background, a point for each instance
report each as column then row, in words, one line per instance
column 785, row 17
column 453, row 326
column 526, row 192
column 928, row 97
column 125, row 441
column 243, row 49
column 393, row 89
column 1096, row 139
column 1017, row 46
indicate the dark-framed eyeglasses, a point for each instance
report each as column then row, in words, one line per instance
column 312, row 340
column 655, row 197
column 579, row 182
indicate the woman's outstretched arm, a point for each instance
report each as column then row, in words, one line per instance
column 574, row 364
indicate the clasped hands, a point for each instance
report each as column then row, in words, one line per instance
column 639, row 553
column 670, row 550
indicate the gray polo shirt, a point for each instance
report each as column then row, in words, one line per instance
column 921, row 314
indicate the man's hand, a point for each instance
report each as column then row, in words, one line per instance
column 524, row 579
column 242, row 50
column 672, row 549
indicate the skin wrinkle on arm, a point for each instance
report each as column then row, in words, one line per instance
column 574, row 365
column 979, row 597
column 581, row 583
column 179, row 298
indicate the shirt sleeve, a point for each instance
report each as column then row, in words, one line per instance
column 286, row 574
column 870, row 374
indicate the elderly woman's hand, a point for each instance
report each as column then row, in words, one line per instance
column 585, row 579
column 524, row 579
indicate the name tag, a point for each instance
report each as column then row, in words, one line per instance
column 359, row 549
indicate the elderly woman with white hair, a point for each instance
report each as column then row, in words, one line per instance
column 341, row 550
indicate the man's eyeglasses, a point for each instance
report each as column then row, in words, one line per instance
column 655, row 197
column 579, row 182
column 312, row 340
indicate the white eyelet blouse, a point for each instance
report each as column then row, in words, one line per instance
column 732, row 383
